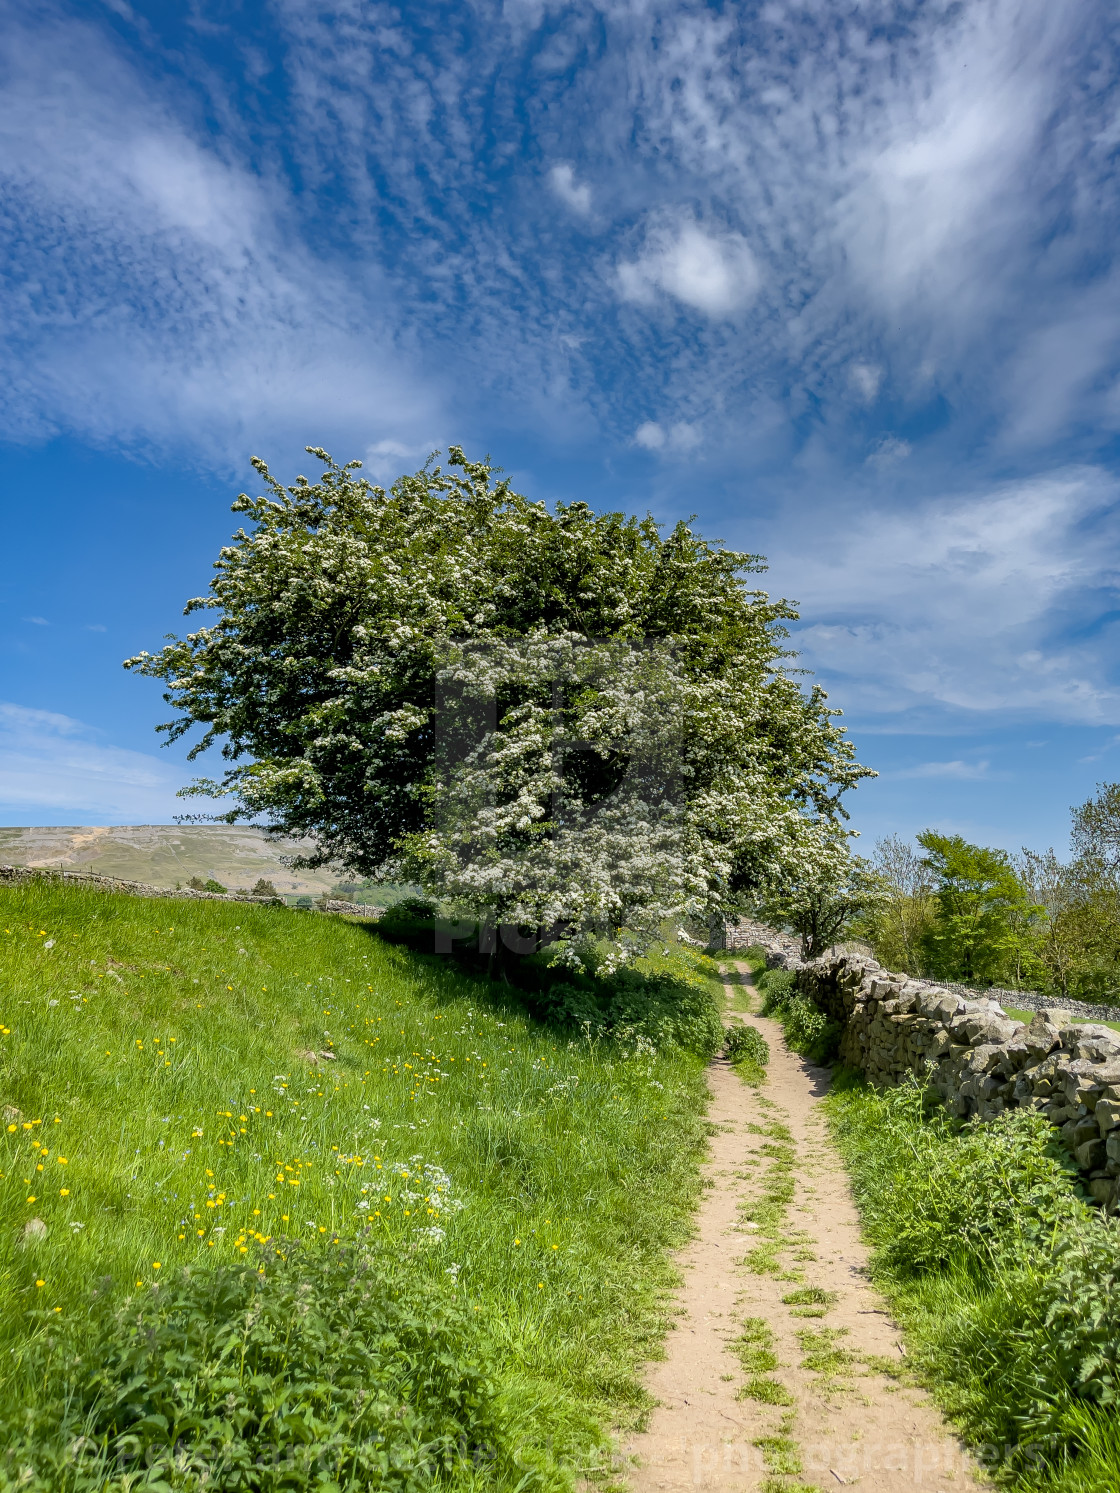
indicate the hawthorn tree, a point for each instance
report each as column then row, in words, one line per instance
column 824, row 892
column 560, row 719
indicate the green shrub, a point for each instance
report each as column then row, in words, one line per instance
column 743, row 1043
column 1006, row 1280
column 1080, row 1305
column 777, row 987
column 666, row 1008
column 319, row 1368
column 808, row 1030
column 938, row 1192
column 409, row 920
column 755, row 958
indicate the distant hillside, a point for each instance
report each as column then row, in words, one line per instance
column 163, row 854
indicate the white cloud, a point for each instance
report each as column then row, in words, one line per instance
column 888, row 452
column 158, row 289
column 941, row 193
column 680, row 436
column 965, row 602
column 713, row 273
column 650, row 435
column 52, row 763
column 385, row 461
column 576, row 195
column 957, row 770
column 940, row 198
column 866, row 377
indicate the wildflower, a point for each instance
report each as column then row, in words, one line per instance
column 40, row 1283
column 64, row 1192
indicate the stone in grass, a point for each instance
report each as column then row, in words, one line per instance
column 34, row 1232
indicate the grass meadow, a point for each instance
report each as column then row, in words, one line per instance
column 191, row 1088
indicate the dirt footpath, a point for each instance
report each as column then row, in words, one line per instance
column 775, row 1377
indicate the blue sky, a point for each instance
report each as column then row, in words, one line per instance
column 840, row 279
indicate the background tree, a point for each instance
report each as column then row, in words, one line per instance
column 986, row 930
column 1095, row 834
column 362, row 636
column 899, row 920
column 830, row 892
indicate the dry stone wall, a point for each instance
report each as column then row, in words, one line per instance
column 781, row 949
column 977, row 1058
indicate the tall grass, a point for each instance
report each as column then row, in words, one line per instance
column 188, row 1085
column 1006, row 1280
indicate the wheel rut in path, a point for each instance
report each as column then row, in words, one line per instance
column 775, row 1375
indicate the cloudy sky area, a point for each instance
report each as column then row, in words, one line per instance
column 839, row 279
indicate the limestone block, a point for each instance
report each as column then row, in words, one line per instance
column 1015, row 1055
column 1088, row 1040
column 1090, row 1153
column 1041, row 1036
column 987, row 1109
column 1112, row 1147
column 1107, row 1115
column 983, row 1058
column 989, row 1027
column 1077, row 1131
column 1103, row 1190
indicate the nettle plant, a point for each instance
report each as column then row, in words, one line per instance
column 556, row 720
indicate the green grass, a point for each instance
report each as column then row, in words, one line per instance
column 1018, row 1014
column 781, row 1454
column 765, row 1391
column 754, row 1347
column 194, row 1085
column 742, row 996
column 748, row 1052
column 1006, row 1282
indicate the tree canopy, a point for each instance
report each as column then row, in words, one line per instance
column 550, row 717
column 986, row 925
